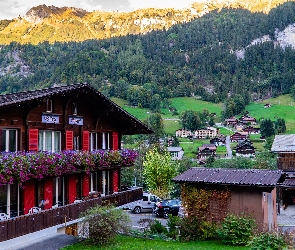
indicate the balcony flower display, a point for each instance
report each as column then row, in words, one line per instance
column 22, row 166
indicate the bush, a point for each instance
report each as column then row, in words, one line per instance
column 190, row 229
column 208, row 231
column 173, row 224
column 236, row 229
column 157, row 228
column 274, row 240
column 101, row 224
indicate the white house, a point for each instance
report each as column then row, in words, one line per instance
column 209, row 132
column 183, row 133
column 176, row 152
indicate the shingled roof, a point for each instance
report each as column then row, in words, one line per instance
column 283, row 143
column 242, row 177
column 35, row 95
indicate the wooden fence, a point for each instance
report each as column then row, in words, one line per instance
column 30, row 223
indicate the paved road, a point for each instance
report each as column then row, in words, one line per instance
column 228, row 149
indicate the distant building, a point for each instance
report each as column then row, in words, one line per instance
column 245, row 149
column 248, row 120
column 183, row 133
column 231, row 122
column 176, row 152
column 205, row 151
column 209, row 132
column 218, row 141
column 239, row 136
column 251, row 130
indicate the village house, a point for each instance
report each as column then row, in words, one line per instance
column 218, row 141
column 61, row 144
column 231, row 122
column 176, row 152
column 235, row 191
column 183, row 133
column 251, row 130
column 209, row 132
column 247, row 120
column 205, row 151
column 245, row 149
column 239, row 136
column 284, row 147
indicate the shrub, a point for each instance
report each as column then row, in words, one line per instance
column 173, row 224
column 101, row 224
column 275, row 240
column 236, row 229
column 158, row 228
column 190, row 229
column 208, row 231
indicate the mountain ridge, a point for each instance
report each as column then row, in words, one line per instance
column 64, row 24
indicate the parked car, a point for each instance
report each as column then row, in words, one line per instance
column 166, row 207
column 146, row 204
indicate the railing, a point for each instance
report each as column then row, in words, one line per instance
column 286, row 162
column 30, row 223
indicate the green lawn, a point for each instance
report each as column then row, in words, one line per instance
column 282, row 107
column 131, row 243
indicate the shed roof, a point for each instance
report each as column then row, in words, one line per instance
column 20, row 98
column 175, row 149
column 283, row 143
column 248, row 177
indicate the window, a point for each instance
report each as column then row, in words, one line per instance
column 94, row 141
column 9, row 140
column 49, row 140
column 49, row 106
column 105, row 140
column 75, row 112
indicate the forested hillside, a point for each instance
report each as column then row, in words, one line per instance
column 195, row 58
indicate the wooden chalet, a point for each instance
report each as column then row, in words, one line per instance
column 231, row 122
column 248, row 120
column 65, row 123
column 284, row 146
column 239, row 136
column 205, row 151
column 250, row 191
column 245, row 149
column 218, row 141
column 251, row 130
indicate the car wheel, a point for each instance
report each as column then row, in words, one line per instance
column 165, row 215
column 137, row 210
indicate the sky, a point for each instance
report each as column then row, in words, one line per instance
column 10, row 9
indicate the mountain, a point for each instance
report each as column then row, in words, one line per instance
column 53, row 24
column 231, row 55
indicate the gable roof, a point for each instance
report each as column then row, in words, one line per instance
column 135, row 126
column 283, row 143
column 241, row 177
column 174, row 149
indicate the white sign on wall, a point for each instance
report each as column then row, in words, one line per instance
column 77, row 120
column 49, row 118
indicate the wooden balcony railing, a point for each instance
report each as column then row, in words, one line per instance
column 286, row 163
column 30, row 223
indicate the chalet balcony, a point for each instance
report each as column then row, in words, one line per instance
column 30, row 223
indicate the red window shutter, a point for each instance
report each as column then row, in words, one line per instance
column 29, row 195
column 115, row 180
column 115, row 141
column 33, row 139
column 85, row 185
column 69, row 140
column 85, row 140
column 72, row 188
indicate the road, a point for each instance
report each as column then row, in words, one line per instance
column 138, row 219
column 228, row 149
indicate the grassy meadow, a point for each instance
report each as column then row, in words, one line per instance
column 282, row 107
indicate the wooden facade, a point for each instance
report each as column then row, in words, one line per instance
column 65, row 118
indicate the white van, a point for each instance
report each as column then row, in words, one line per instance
column 146, row 204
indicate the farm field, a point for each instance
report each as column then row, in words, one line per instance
column 281, row 107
